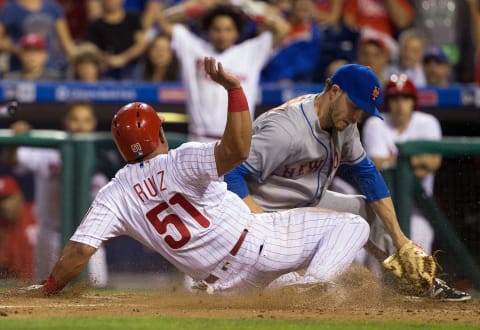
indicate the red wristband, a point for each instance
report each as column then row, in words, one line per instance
column 51, row 286
column 237, row 102
column 193, row 11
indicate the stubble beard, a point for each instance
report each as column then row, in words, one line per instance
column 331, row 111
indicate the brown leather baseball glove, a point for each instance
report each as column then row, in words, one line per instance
column 413, row 267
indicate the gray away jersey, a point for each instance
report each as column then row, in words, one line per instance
column 292, row 159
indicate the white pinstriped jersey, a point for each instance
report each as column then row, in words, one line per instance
column 207, row 101
column 174, row 204
column 177, row 205
column 294, row 160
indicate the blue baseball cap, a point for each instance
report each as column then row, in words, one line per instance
column 361, row 85
column 436, row 53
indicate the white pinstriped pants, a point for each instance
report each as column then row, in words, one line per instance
column 322, row 242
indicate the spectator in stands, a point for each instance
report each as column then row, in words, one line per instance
column 412, row 44
column 119, row 35
column 44, row 17
column 329, row 12
column 149, row 13
column 76, row 15
column 338, row 41
column 374, row 52
column 387, row 16
column 402, row 123
column 17, row 231
column 296, row 57
column 448, row 25
column 46, row 164
column 160, row 62
column 147, row 9
column 438, row 71
column 334, row 66
column 87, row 64
column 33, row 58
column 94, row 10
column 223, row 25
column 283, row 5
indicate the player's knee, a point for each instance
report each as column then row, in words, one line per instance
column 362, row 228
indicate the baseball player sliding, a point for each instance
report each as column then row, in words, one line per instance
column 176, row 203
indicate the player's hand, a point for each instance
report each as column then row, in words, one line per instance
column 219, row 75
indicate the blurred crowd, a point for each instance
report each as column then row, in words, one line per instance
column 433, row 42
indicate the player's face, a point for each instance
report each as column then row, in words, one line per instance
column 223, row 33
column 343, row 112
column 401, row 108
column 81, row 120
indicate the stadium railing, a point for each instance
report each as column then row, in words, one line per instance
column 407, row 191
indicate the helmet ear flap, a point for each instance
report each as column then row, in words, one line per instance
column 135, row 129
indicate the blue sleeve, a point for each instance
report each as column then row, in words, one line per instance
column 366, row 178
column 235, row 180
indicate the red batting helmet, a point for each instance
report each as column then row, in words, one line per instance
column 399, row 85
column 135, row 130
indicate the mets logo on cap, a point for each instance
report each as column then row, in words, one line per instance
column 375, row 93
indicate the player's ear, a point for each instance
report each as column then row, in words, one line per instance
column 335, row 91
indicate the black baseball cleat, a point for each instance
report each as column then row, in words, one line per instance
column 443, row 292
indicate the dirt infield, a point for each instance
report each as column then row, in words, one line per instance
column 358, row 297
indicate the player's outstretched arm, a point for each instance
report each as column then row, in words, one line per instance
column 72, row 261
column 373, row 186
column 234, row 145
column 385, row 210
